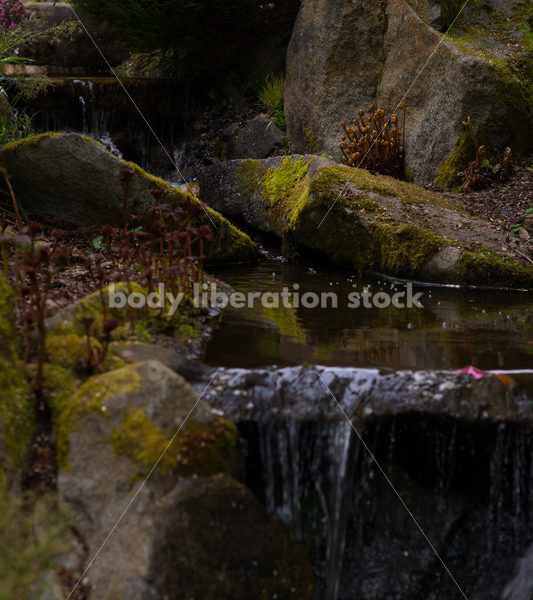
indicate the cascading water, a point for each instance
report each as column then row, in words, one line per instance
column 100, row 108
column 469, row 488
column 300, row 464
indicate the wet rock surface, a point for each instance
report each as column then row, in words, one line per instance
column 257, row 139
column 329, row 393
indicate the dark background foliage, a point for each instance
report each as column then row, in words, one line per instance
column 200, row 37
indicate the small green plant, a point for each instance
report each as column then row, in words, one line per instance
column 272, row 94
column 279, row 117
column 515, row 229
column 12, row 130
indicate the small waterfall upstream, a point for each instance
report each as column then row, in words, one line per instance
column 468, row 486
column 101, row 108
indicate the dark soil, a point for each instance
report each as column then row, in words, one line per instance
column 503, row 205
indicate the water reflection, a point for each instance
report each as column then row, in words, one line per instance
column 490, row 329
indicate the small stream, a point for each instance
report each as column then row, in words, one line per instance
column 469, row 485
column 456, row 327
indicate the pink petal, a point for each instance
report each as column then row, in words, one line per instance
column 473, row 372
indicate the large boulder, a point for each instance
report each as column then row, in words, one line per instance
column 345, row 56
column 364, row 221
column 176, row 528
column 72, row 178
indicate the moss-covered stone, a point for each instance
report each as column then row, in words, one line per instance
column 69, row 350
column 448, row 175
column 69, row 407
column 17, row 410
column 68, row 174
column 484, row 268
column 199, row 449
column 329, row 181
column 138, row 323
column 403, row 249
column 365, row 221
column 281, row 184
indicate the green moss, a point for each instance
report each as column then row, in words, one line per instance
column 8, row 335
column 199, row 449
column 68, row 408
column 515, row 87
column 248, row 174
column 448, row 177
column 69, row 350
column 281, row 184
column 330, row 180
column 30, row 141
column 484, row 268
column 403, row 249
column 527, row 32
column 17, row 411
column 146, row 324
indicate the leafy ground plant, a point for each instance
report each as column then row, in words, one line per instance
column 485, row 170
column 272, row 94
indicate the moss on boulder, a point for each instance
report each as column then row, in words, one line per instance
column 199, row 449
column 74, row 178
column 91, row 398
column 138, row 323
column 143, row 405
column 367, row 221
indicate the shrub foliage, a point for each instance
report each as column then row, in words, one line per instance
column 198, row 36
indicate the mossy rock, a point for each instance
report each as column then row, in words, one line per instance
column 366, row 221
column 137, row 323
column 141, row 407
column 199, row 449
column 17, row 407
column 485, row 32
column 72, row 177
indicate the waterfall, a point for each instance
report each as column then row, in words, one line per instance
column 308, row 476
column 101, row 109
column 469, row 487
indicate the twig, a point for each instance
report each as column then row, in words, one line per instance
column 524, row 256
